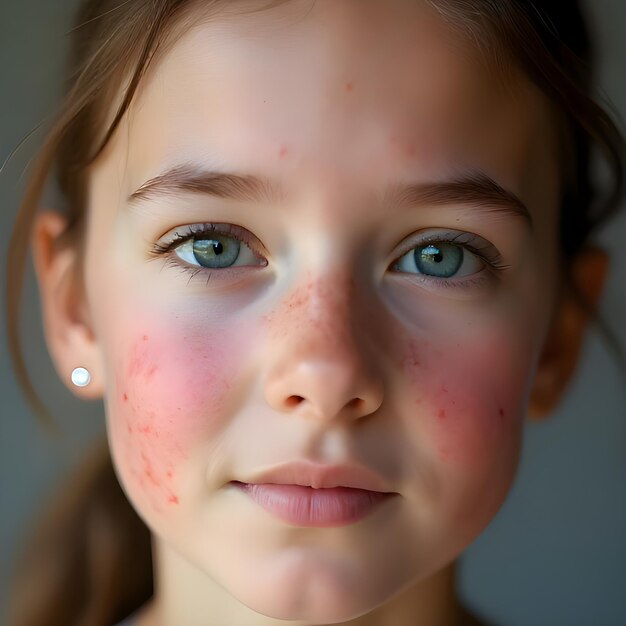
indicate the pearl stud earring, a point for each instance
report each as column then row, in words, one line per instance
column 81, row 376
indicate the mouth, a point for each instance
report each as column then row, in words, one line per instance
column 323, row 507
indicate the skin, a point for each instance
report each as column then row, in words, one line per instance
column 198, row 377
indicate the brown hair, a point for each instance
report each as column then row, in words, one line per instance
column 89, row 561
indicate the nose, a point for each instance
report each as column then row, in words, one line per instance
column 320, row 359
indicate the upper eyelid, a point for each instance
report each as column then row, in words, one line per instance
column 492, row 255
column 191, row 231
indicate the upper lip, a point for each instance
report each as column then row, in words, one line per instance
column 318, row 476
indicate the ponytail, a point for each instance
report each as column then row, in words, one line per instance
column 88, row 560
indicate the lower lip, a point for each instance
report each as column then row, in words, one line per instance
column 321, row 508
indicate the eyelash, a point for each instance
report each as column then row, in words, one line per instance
column 492, row 258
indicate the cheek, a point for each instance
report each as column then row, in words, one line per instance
column 168, row 398
column 468, row 397
column 465, row 412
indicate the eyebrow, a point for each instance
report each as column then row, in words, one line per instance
column 476, row 189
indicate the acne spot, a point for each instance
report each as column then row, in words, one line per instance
column 125, row 397
column 282, row 153
column 441, row 415
column 169, row 473
column 410, row 150
column 149, row 471
column 501, row 413
column 173, row 499
column 130, row 429
column 145, row 337
column 349, row 86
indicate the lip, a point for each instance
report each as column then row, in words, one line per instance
column 307, row 474
column 307, row 506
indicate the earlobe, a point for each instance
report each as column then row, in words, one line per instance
column 69, row 338
column 563, row 344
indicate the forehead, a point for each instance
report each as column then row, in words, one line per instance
column 352, row 90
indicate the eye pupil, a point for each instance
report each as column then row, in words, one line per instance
column 447, row 257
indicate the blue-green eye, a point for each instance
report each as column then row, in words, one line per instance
column 215, row 252
column 210, row 247
column 440, row 260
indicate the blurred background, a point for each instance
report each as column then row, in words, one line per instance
column 555, row 555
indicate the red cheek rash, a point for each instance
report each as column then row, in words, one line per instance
column 460, row 396
column 171, row 399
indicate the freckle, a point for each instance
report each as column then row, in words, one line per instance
column 442, row 414
column 173, row 499
column 349, row 86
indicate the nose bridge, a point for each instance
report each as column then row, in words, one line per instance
column 318, row 351
column 319, row 310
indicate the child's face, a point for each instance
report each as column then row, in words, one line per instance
column 326, row 301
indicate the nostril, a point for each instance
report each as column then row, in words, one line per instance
column 294, row 401
column 355, row 403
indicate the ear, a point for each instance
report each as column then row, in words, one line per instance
column 562, row 347
column 69, row 338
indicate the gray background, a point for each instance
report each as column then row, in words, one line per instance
column 554, row 555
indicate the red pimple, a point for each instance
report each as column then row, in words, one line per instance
column 169, row 473
column 130, row 428
column 145, row 337
column 282, row 152
column 173, row 499
column 501, row 412
column 349, row 86
column 442, row 414
column 125, row 397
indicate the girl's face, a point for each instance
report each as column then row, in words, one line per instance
column 321, row 324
